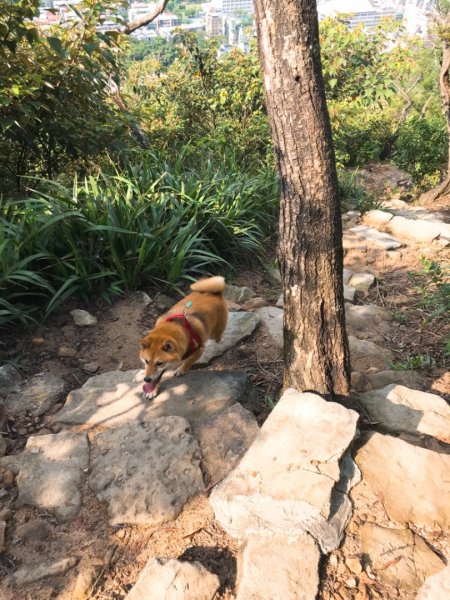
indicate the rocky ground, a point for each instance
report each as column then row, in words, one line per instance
column 218, row 488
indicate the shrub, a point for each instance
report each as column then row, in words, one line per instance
column 421, row 148
column 154, row 221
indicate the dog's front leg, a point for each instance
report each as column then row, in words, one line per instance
column 187, row 364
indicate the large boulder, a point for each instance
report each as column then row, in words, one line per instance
column 240, row 326
column 412, row 482
column 35, row 396
column 398, row 408
column 284, row 484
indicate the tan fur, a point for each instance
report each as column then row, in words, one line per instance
column 168, row 342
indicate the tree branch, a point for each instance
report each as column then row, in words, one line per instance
column 145, row 19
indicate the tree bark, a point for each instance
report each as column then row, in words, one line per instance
column 444, row 84
column 310, row 229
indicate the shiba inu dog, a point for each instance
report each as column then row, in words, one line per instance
column 179, row 336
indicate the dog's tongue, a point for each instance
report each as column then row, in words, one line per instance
column 149, row 387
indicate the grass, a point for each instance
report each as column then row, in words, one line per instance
column 152, row 221
column 352, row 191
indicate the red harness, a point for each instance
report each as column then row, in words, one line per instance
column 194, row 339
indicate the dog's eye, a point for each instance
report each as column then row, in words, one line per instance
column 159, row 363
column 146, row 361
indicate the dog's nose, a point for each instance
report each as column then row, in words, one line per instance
column 147, row 379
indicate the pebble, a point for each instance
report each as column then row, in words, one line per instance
column 38, row 341
column 66, row 352
column 91, row 367
column 7, row 476
column 2, row 535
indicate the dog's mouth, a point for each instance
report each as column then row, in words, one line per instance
column 150, row 386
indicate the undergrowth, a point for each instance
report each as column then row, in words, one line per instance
column 151, row 221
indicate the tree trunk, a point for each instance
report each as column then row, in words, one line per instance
column 444, row 84
column 310, row 230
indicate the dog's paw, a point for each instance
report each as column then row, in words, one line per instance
column 149, row 396
column 180, row 372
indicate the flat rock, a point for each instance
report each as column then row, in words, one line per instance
column 82, row 318
column 284, row 482
column 174, row 580
column 238, row 294
column 280, row 301
column 375, row 238
column 114, row 399
column 272, row 324
column 146, row 472
column 399, row 557
column 412, row 482
column 31, row 573
column 224, row 438
column 436, row 587
column 354, row 241
column 367, row 320
column 383, row 378
column 9, row 378
column 377, row 218
column 362, row 282
column 399, row 408
column 415, row 230
column 273, row 567
column 51, row 472
column 346, row 274
column 365, row 354
column 35, row 396
column 240, row 325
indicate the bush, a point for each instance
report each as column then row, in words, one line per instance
column 421, row 148
column 150, row 222
column 360, row 135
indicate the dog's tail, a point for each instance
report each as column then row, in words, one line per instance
column 212, row 285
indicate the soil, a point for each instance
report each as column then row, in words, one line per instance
column 113, row 344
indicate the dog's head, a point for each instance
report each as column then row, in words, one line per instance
column 159, row 351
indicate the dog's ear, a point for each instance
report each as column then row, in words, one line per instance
column 145, row 343
column 168, row 346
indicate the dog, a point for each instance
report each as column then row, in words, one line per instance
column 179, row 336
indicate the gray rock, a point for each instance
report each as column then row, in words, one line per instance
column 284, row 483
column 35, row 396
column 32, row 531
column 362, row 282
column 367, row 320
column 164, row 302
column 3, row 446
column 9, row 378
column 82, row 318
column 91, row 367
column 419, row 230
column 275, row 568
column 436, row 587
column 346, row 274
column 224, row 438
column 349, row 293
column 375, row 238
column 114, row 399
column 398, row 408
column 377, row 218
column 174, row 580
column 272, row 324
column 240, row 325
column 280, row 301
column 51, row 472
column 413, row 482
column 354, row 241
column 399, row 557
column 238, row 294
column 29, row 574
column 146, row 472
column 365, row 354
column 383, row 378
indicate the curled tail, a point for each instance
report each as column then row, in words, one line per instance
column 212, row 285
